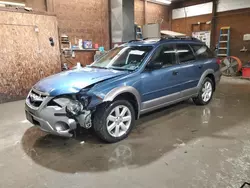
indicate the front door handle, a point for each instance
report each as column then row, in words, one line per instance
column 175, row 73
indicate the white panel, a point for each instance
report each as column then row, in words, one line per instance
column 178, row 13
column 246, row 37
column 151, row 31
column 196, row 10
column 226, row 5
column 204, row 36
column 171, row 33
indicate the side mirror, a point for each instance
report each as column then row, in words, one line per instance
column 154, row 65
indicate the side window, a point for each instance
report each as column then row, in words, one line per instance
column 185, row 53
column 202, row 51
column 166, row 55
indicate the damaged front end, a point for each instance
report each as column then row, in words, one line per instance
column 59, row 115
column 60, row 103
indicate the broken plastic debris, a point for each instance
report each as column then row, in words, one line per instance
column 182, row 144
column 24, row 121
column 82, row 142
column 179, row 145
column 179, row 140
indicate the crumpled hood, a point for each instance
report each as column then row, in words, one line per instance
column 74, row 80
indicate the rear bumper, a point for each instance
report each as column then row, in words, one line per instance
column 217, row 76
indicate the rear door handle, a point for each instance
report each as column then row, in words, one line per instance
column 175, row 73
column 200, row 66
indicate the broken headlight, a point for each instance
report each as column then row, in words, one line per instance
column 74, row 108
column 85, row 100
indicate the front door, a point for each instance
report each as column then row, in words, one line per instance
column 160, row 83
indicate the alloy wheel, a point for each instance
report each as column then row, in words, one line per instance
column 207, row 91
column 119, row 121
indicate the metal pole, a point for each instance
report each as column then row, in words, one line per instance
column 213, row 24
column 110, row 24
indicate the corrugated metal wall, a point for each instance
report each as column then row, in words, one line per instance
column 122, row 20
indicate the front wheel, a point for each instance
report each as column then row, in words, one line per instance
column 206, row 93
column 113, row 122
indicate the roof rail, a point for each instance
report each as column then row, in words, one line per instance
column 179, row 38
column 135, row 40
column 188, row 38
column 168, row 37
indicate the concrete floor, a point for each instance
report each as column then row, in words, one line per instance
column 180, row 146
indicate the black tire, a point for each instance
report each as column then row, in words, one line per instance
column 100, row 120
column 199, row 100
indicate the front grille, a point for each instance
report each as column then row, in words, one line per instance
column 36, row 98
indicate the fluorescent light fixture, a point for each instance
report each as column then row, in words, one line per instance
column 164, row 1
column 12, row 4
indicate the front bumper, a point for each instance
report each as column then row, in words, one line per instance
column 50, row 119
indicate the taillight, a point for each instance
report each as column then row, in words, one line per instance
column 218, row 61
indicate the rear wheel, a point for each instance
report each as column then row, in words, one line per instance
column 113, row 122
column 206, row 92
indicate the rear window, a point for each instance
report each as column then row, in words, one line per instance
column 185, row 53
column 202, row 51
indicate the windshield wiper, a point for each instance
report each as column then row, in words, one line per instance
column 97, row 67
column 114, row 68
column 121, row 69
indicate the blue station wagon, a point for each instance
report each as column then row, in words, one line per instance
column 130, row 80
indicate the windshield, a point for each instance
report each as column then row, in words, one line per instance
column 123, row 58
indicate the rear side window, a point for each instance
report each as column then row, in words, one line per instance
column 185, row 53
column 202, row 51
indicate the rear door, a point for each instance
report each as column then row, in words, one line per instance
column 204, row 57
column 189, row 71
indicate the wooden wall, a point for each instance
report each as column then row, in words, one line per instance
column 36, row 5
column 81, row 19
column 25, row 55
column 84, row 19
column 155, row 14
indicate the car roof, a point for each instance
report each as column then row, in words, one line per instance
column 157, row 41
